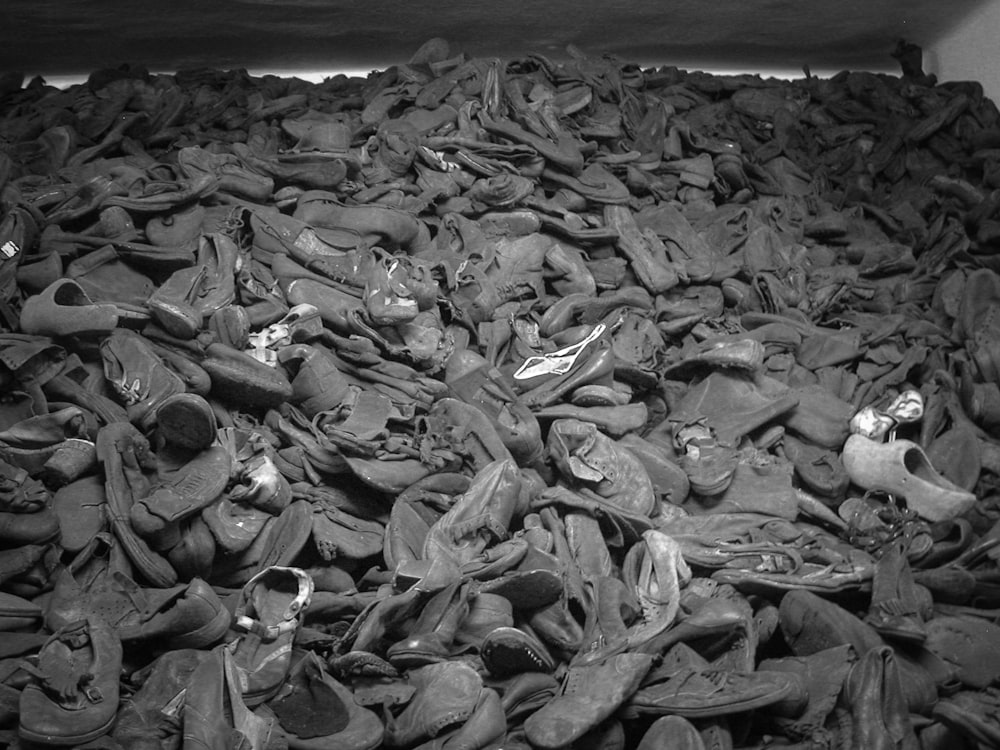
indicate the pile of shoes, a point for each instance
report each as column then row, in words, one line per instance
column 489, row 403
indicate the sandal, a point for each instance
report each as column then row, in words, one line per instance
column 270, row 609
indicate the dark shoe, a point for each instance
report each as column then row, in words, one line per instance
column 189, row 615
column 507, row 651
column 214, row 715
column 810, row 623
column 823, row 674
column 317, row 384
column 362, row 730
column 28, row 528
column 447, row 694
column 184, row 301
column 694, row 693
column 819, row 469
column 590, row 695
column 187, row 420
column 544, row 379
column 151, row 717
column 973, row 714
column 709, row 466
column 734, row 403
column 73, row 459
column 433, row 632
column 194, row 555
column 180, row 494
column 969, row 644
column 307, row 705
column 472, row 380
column 675, row 732
column 588, row 458
column 480, row 517
column 138, row 375
column 74, row 697
column 19, row 493
column 238, row 378
column 388, row 227
column 879, row 711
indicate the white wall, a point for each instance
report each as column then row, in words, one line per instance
column 970, row 51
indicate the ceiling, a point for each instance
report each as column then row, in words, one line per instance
column 65, row 37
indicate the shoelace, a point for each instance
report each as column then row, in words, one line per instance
column 132, row 393
column 897, row 522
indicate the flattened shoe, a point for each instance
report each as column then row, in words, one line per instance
column 124, row 453
column 694, row 693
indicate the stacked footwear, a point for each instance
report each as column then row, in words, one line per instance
column 499, row 403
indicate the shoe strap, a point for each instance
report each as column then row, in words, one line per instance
column 560, row 361
column 55, row 675
column 290, row 618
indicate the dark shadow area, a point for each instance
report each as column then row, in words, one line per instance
column 54, row 37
